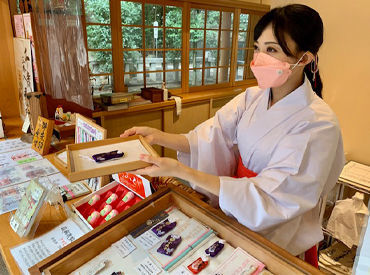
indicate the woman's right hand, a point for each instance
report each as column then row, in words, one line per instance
column 151, row 135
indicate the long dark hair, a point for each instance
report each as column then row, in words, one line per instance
column 304, row 25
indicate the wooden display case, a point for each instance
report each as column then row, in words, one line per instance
column 71, row 257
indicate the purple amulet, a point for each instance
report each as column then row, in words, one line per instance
column 107, row 156
column 164, row 227
column 170, row 244
column 215, row 248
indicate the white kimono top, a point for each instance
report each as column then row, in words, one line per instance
column 295, row 147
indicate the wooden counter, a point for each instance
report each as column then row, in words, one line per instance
column 276, row 259
column 50, row 219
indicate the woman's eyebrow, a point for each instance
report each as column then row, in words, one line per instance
column 271, row 42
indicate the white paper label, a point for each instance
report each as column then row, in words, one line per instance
column 26, row 124
column 1, row 127
column 147, row 240
column 32, row 252
column 14, row 224
column 147, row 267
column 124, row 247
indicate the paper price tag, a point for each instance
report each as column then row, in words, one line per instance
column 147, row 240
column 124, row 247
column 147, row 267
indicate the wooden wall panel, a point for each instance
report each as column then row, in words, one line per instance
column 216, row 104
column 346, row 84
column 191, row 116
column 8, row 84
column 116, row 125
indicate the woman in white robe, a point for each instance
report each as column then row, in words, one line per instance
column 287, row 135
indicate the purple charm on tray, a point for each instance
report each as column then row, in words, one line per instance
column 170, row 244
column 107, row 156
column 215, row 248
column 164, row 227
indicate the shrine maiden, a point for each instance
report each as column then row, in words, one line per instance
column 271, row 153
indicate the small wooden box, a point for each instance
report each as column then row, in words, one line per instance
column 81, row 166
column 153, row 94
column 74, row 255
column 116, row 98
column 63, row 132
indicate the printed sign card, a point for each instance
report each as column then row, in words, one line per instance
column 13, row 145
column 42, row 137
column 28, row 209
column 18, row 26
column 87, row 130
column 34, row 251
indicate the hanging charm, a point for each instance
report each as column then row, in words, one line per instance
column 314, row 68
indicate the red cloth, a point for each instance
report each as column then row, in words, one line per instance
column 243, row 171
column 310, row 256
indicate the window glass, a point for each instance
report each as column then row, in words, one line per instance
column 131, row 13
column 97, row 11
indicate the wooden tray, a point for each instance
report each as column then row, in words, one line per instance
column 71, row 257
column 81, row 166
column 59, row 160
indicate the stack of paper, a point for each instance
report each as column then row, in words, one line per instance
column 356, row 174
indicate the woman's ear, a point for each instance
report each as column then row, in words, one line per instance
column 307, row 58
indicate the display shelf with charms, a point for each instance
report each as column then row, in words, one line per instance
column 92, row 246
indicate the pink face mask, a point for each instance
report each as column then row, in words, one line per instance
column 269, row 71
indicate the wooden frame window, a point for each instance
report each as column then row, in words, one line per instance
column 210, row 49
column 245, row 48
column 99, row 44
column 187, row 44
column 152, row 44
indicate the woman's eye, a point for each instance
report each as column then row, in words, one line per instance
column 255, row 47
column 271, row 50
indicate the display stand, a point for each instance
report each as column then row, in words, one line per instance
column 25, row 220
column 277, row 260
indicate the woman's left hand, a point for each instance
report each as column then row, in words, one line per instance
column 162, row 167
